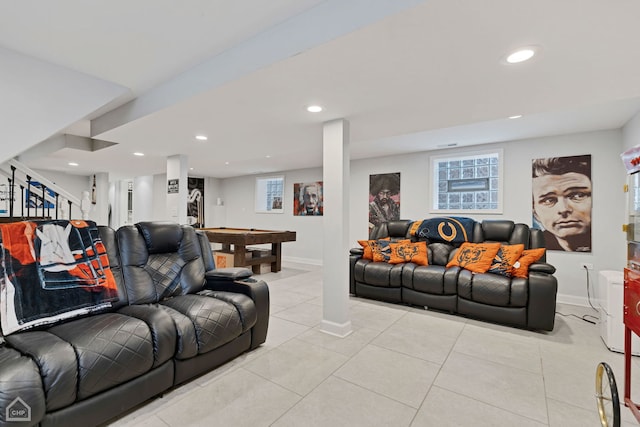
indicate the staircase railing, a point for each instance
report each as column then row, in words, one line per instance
column 35, row 189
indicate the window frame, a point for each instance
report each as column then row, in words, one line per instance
column 261, row 198
column 460, row 156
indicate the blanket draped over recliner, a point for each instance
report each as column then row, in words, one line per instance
column 52, row 270
column 449, row 229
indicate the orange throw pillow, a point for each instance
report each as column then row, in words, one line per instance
column 368, row 246
column 408, row 252
column 504, row 260
column 521, row 267
column 381, row 251
column 476, row 257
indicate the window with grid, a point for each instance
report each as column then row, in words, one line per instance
column 469, row 183
column 270, row 194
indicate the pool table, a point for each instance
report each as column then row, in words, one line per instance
column 240, row 238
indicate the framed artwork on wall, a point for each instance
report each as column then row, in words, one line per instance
column 269, row 194
column 562, row 202
column 195, row 202
column 384, row 198
column 307, row 199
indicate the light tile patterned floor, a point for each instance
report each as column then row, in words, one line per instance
column 401, row 366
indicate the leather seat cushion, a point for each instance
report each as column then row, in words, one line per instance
column 493, row 289
column 215, row 322
column 378, row 273
column 110, row 349
column 428, row 279
column 245, row 306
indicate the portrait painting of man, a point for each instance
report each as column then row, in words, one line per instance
column 384, row 198
column 195, row 202
column 307, row 199
column 561, row 201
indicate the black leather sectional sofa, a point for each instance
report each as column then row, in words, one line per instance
column 176, row 318
column 523, row 302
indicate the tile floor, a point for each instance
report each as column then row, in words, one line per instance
column 401, row 366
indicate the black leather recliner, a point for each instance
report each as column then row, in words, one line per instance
column 528, row 303
column 176, row 318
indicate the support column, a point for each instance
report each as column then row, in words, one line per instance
column 177, row 168
column 142, row 198
column 335, row 248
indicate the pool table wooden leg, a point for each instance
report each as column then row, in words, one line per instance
column 239, row 255
column 276, row 250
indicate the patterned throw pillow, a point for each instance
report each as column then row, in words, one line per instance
column 368, row 246
column 504, row 260
column 476, row 257
column 408, row 252
column 521, row 267
column 381, row 251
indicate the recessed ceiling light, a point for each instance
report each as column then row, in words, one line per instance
column 268, row 156
column 226, row 163
column 314, row 108
column 201, row 137
column 72, row 164
column 521, row 55
column 517, row 116
column 137, row 153
column 190, row 169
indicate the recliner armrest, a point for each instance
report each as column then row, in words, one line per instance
column 356, row 251
column 542, row 267
column 231, row 273
column 257, row 290
column 541, row 308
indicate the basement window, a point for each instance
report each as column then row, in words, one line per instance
column 467, row 183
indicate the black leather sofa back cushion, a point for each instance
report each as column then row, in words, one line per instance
column 207, row 253
column 150, row 275
column 160, row 237
column 396, row 229
column 440, row 253
column 503, row 231
column 537, row 241
column 399, row 229
column 108, row 236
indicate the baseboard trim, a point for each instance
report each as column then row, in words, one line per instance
column 341, row 330
column 310, row 261
column 574, row 300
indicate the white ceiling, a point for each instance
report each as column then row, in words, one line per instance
column 408, row 75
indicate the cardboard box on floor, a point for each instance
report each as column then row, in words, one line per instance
column 225, row 259
column 264, row 267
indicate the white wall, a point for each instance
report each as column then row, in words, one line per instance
column 631, row 133
column 159, row 211
column 609, row 246
column 214, row 214
column 212, row 190
column 74, row 184
column 142, row 198
column 240, row 212
column 608, row 177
